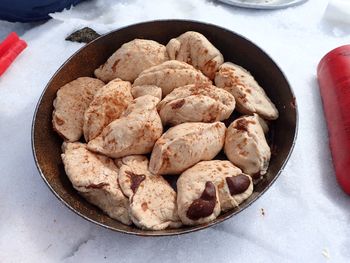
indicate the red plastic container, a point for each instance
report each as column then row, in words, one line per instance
column 333, row 74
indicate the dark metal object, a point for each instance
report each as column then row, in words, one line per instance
column 84, row 35
column 47, row 144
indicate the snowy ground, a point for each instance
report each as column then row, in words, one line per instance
column 306, row 214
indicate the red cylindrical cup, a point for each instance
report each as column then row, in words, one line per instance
column 333, row 74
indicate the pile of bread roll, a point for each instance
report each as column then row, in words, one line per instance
column 156, row 110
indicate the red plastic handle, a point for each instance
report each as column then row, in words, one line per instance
column 10, row 40
column 334, row 80
column 10, row 48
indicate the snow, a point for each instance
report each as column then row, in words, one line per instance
column 306, row 214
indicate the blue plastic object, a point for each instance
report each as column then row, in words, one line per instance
column 32, row 10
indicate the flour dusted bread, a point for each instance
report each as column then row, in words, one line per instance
column 109, row 103
column 185, row 145
column 95, row 177
column 196, row 103
column 153, row 206
column 152, row 200
column 135, row 132
column 195, row 49
column 170, row 75
column 232, row 187
column 133, row 169
column 131, row 59
column 250, row 96
column 70, row 104
column 246, row 146
column 138, row 91
column 197, row 198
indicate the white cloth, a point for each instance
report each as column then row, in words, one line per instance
column 306, row 214
column 336, row 18
column 338, row 11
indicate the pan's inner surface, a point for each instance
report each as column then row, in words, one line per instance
column 47, row 144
